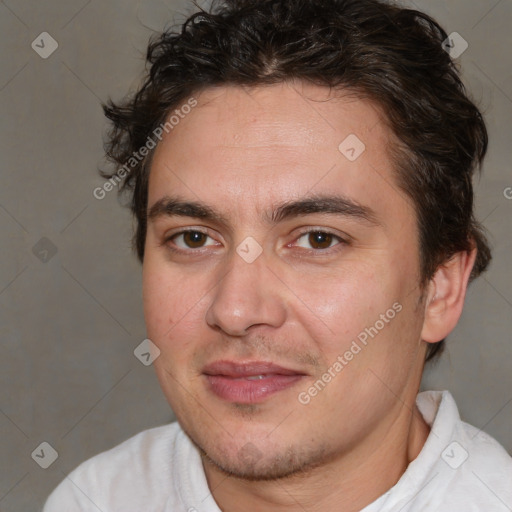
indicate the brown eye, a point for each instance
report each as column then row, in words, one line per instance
column 194, row 239
column 320, row 240
column 190, row 239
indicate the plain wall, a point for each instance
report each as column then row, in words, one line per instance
column 70, row 287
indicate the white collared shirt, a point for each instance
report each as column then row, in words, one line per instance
column 459, row 469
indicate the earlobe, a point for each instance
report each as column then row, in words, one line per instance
column 445, row 300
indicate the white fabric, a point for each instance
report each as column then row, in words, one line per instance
column 161, row 470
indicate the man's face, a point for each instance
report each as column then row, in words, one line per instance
column 243, row 341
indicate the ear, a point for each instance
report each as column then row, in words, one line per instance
column 445, row 297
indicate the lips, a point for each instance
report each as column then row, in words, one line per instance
column 249, row 382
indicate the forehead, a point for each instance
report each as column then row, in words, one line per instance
column 247, row 147
column 296, row 115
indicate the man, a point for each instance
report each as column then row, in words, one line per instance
column 300, row 173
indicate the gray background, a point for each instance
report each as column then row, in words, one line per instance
column 69, row 321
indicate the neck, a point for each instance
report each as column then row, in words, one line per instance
column 349, row 482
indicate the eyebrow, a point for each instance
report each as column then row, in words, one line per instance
column 323, row 204
column 330, row 204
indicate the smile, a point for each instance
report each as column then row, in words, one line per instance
column 250, row 382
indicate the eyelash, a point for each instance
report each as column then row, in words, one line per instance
column 180, row 233
column 199, row 250
column 328, row 250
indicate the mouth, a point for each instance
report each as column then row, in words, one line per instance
column 249, row 382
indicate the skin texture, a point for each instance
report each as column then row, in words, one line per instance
column 300, row 304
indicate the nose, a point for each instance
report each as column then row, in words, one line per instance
column 248, row 295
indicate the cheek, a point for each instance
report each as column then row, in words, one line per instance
column 365, row 313
column 172, row 302
column 335, row 308
column 158, row 304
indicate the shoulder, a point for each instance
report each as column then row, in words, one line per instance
column 485, row 459
column 472, row 468
column 473, row 445
column 130, row 471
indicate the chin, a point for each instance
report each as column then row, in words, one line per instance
column 266, row 462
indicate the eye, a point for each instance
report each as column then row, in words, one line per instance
column 190, row 239
column 318, row 240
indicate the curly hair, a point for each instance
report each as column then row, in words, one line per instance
column 390, row 55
